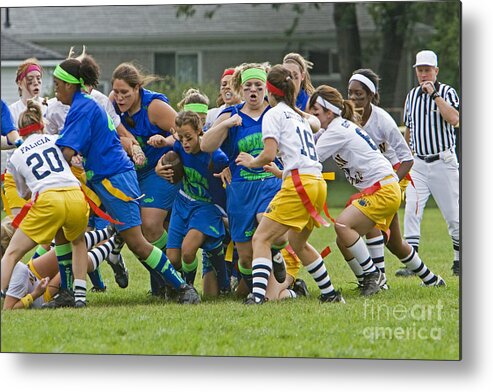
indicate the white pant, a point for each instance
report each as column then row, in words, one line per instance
column 440, row 179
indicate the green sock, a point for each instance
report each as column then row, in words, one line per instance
column 158, row 261
column 162, row 241
column 190, row 270
column 40, row 251
column 64, row 258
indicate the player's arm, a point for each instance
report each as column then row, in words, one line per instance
column 217, row 134
column 267, row 155
column 162, row 115
column 12, row 303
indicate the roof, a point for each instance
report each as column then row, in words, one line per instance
column 14, row 49
column 160, row 22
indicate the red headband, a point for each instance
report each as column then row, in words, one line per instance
column 31, row 129
column 30, row 68
column 228, row 71
column 274, row 90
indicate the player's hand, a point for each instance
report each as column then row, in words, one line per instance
column 225, row 176
column 76, row 160
column 234, row 121
column 138, row 155
column 428, row 87
column 157, row 141
column 40, row 288
column 165, row 171
column 244, row 159
column 274, row 169
column 127, row 144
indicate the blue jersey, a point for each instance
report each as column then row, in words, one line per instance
column 199, row 182
column 7, row 120
column 143, row 129
column 302, row 99
column 90, row 131
column 244, row 138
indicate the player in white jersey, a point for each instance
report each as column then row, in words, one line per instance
column 58, row 207
column 296, row 207
column 368, row 170
column 381, row 127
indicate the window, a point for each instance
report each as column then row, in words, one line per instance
column 182, row 66
column 324, row 62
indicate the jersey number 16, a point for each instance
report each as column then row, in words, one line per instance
column 307, row 146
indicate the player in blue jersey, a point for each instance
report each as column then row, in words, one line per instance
column 196, row 222
column 90, row 131
column 9, row 130
column 239, row 129
column 299, row 68
column 147, row 115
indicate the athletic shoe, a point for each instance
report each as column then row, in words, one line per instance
column 111, row 230
column 300, row 288
column 404, row 272
column 371, row 283
column 80, row 304
column 383, row 282
column 334, row 297
column 250, row 300
column 98, row 289
column 120, row 271
column 279, row 267
column 63, row 299
column 456, row 268
column 438, row 283
column 188, row 295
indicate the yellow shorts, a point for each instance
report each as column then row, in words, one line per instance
column 381, row 206
column 11, row 195
column 64, row 208
column 288, row 209
column 293, row 263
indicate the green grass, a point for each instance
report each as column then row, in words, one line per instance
column 408, row 321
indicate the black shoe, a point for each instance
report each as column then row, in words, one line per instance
column 120, row 271
column 371, row 283
column 188, row 295
column 63, row 299
column 279, row 268
column 80, row 304
column 439, row 282
column 250, row 300
column 98, row 289
column 300, row 288
column 404, row 272
column 456, row 268
column 335, row 297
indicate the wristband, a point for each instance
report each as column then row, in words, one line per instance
column 27, row 301
column 435, row 95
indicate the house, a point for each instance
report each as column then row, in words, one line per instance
column 193, row 48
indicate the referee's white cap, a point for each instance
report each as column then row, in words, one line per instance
column 426, row 57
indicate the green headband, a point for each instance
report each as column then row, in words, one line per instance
column 253, row 73
column 196, row 107
column 61, row 74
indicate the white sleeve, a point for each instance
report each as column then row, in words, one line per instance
column 18, row 284
column 272, row 125
column 395, row 139
column 110, row 109
column 329, row 143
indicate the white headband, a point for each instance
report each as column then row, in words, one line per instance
column 327, row 105
column 363, row 79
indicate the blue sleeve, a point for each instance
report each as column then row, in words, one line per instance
column 219, row 160
column 7, row 120
column 76, row 134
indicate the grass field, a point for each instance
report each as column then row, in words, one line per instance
column 407, row 321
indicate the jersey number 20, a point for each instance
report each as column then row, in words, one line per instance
column 55, row 166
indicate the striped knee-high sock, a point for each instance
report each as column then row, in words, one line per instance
column 356, row 268
column 414, row 263
column 456, row 244
column 261, row 269
column 98, row 254
column 376, row 247
column 319, row 273
column 158, row 261
column 361, row 253
column 413, row 241
column 64, row 258
column 80, row 290
column 156, row 280
column 95, row 237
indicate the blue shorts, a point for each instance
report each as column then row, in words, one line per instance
column 246, row 199
column 97, row 222
column 159, row 193
column 198, row 215
column 127, row 212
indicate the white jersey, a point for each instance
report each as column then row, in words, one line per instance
column 212, row 115
column 105, row 102
column 55, row 116
column 38, row 165
column 294, row 136
column 23, row 282
column 354, row 152
column 384, row 131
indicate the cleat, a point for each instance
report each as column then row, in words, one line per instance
column 279, row 267
column 63, row 299
column 98, row 289
column 120, row 271
column 250, row 300
column 188, row 295
column 170, row 293
column 404, row 272
column 111, row 230
column 80, row 304
column 300, row 288
column 335, row 297
column 456, row 268
column 371, row 283
column 438, row 283
column 383, row 282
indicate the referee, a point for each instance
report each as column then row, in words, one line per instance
column 430, row 115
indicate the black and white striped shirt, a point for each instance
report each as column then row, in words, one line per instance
column 429, row 133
